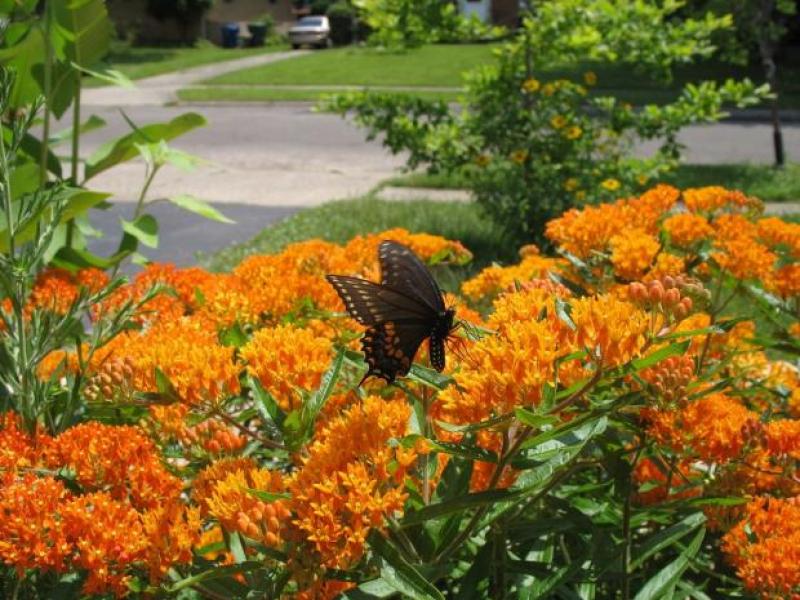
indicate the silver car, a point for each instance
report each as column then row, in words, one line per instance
column 312, row 31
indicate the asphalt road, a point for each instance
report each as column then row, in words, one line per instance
column 181, row 234
column 267, row 161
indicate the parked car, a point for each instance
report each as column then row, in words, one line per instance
column 313, row 31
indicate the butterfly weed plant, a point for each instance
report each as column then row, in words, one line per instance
column 532, row 145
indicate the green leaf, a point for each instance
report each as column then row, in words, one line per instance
column 658, row 585
column 532, row 419
column 144, row 229
column 164, row 386
column 92, row 123
column 265, row 403
column 429, row 377
column 399, row 574
column 233, row 336
column 313, row 405
column 109, row 75
column 676, row 349
column 217, row 572
column 199, row 207
column 24, row 54
column 124, row 149
column 268, row 496
column 666, row 537
column 442, row 509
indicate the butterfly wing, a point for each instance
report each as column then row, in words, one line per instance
column 403, row 271
column 389, row 348
column 371, row 304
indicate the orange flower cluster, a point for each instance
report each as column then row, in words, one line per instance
column 711, row 428
column 351, row 480
column 687, row 229
column 119, row 460
column 128, row 515
column 286, row 359
column 495, row 279
column 765, row 548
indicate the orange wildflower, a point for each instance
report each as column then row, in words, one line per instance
column 613, row 329
column 687, row 229
column 494, row 279
column 352, row 480
column 745, row 258
column 713, row 198
column 286, row 358
column 117, row 459
column 32, row 534
column 780, row 234
column 663, row 485
column 711, row 428
column 787, row 281
column 238, row 509
column 207, row 479
column 765, row 548
column 109, row 539
column 632, row 253
column 170, row 531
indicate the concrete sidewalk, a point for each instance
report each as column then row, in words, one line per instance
column 162, row 89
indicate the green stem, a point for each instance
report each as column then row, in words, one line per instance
column 75, row 154
column 425, row 458
column 48, row 84
column 143, row 195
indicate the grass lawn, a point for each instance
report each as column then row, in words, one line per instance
column 443, row 66
column 765, row 182
column 436, row 65
column 341, row 220
column 278, row 94
column 139, row 62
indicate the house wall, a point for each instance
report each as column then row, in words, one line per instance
column 482, row 8
column 132, row 21
column 505, row 12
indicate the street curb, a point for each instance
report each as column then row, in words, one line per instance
column 755, row 116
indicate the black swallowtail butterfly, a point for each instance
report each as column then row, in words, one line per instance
column 400, row 312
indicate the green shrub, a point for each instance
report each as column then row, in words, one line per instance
column 532, row 148
column 341, row 15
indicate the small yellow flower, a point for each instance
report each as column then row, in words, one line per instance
column 581, row 90
column 580, row 195
column 573, row 133
column 571, row 184
column 531, row 85
column 519, row 156
column 610, row 184
column 590, row 78
column 642, row 178
column 548, row 89
column 558, row 121
column 482, row 160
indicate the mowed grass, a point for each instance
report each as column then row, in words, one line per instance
column 766, row 182
column 140, row 62
column 342, row 220
column 278, row 94
column 438, row 65
column 443, row 65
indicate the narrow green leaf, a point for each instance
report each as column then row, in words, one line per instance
column 532, row 419
column 317, row 400
column 666, row 537
column 676, row 349
column 268, row 496
column 399, row 574
column 199, row 207
column 144, row 229
column 217, row 572
column 661, row 582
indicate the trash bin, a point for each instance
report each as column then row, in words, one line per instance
column 258, row 33
column 230, row 35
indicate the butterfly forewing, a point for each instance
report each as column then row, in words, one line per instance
column 403, row 271
column 370, row 303
column 400, row 312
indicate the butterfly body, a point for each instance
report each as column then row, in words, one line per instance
column 402, row 311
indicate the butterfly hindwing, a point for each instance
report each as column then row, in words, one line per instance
column 389, row 348
column 400, row 313
column 403, row 271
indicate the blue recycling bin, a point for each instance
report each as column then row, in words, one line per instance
column 230, row 35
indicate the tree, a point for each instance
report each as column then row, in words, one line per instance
column 760, row 25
